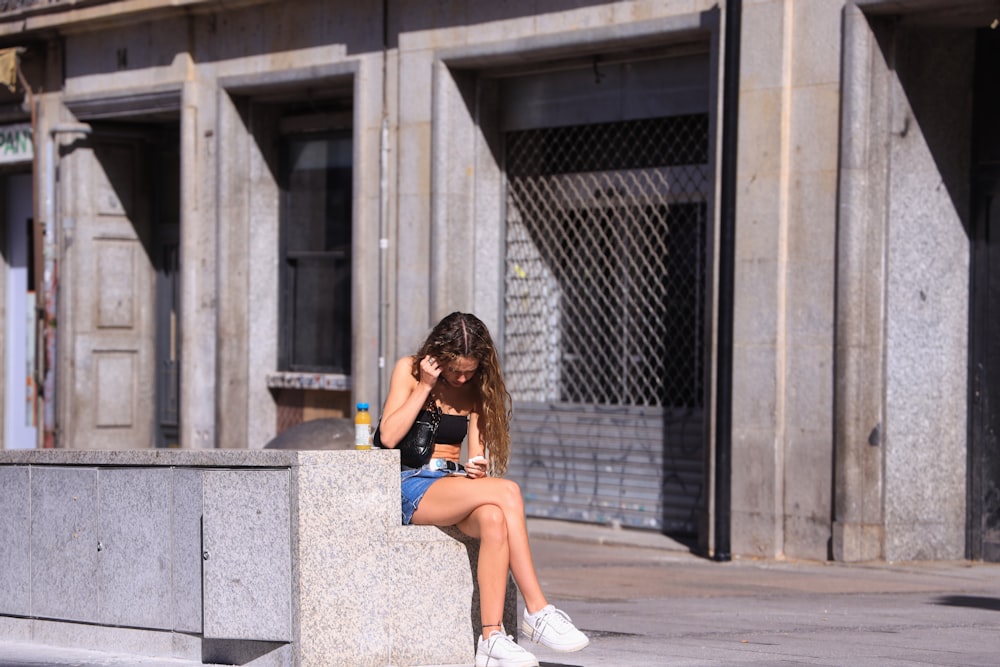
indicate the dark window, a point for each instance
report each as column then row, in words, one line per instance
column 316, row 252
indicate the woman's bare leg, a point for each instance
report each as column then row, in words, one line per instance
column 456, row 501
column 487, row 523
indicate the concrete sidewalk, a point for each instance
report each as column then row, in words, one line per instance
column 646, row 601
column 663, row 606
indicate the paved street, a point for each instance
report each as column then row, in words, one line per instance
column 647, row 602
column 663, row 607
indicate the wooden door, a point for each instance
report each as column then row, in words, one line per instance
column 108, row 288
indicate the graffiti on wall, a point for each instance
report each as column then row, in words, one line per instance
column 634, row 467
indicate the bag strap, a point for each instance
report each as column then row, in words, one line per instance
column 432, row 407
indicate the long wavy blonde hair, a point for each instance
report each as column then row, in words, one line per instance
column 464, row 335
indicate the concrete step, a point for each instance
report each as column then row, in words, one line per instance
column 28, row 654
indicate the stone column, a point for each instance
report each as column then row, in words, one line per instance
column 859, row 370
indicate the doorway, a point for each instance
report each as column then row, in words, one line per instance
column 121, row 291
column 983, row 542
column 20, row 416
column 165, row 195
column 607, row 230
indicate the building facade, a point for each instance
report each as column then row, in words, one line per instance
column 737, row 256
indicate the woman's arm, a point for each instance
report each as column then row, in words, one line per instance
column 476, row 447
column 476, row 469
column 406, row 399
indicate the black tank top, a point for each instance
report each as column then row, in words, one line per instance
column 452, row 429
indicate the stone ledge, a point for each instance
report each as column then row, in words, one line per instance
column 313, row 381
column 358, row 581
column 195, row 458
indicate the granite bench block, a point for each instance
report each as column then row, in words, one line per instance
column 247, row 592
column 63, row 543
column 472, row 547
column 345, row 512
column 186, row 551
column 14, row 551
column 313, row 537
column 437, row 588
column 433, row 589
column 134, row 564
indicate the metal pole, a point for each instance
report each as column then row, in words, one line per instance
column 384, row 364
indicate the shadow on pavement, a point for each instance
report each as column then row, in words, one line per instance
column 973, row 601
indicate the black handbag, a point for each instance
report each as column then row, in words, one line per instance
column 417, row 446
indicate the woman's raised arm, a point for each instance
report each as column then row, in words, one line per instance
column 405, row 400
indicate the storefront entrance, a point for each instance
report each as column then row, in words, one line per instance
column 20, row 383
column 607, row 230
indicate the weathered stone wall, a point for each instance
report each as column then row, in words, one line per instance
column 824, row 441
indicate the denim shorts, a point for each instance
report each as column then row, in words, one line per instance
column 413, row 483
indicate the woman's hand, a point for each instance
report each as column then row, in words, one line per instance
column 430, row 370
column 476, row 467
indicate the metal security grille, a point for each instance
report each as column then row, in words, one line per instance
column 604, row 321
column 605, row 266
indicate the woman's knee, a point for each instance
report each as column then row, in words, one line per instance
column 492, row 523
column 512, row 501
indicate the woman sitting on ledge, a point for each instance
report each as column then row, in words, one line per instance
column 457, row 371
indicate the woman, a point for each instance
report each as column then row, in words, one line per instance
column 457, row 371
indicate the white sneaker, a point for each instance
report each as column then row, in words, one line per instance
column 553, row 628
column 501, row 651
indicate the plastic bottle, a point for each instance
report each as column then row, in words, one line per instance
column 362, row 428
